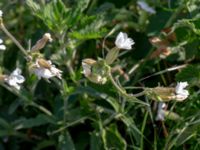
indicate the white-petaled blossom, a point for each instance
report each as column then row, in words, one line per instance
column 1, row 13
column 86, row 69
column 181, row 93
column 45, row 69
column 123, row 42
column 161, row 112
column 15, row 79
column 2, row 46
column 143, row 5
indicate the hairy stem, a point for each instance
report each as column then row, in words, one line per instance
column 124, row 93
column 4, row 29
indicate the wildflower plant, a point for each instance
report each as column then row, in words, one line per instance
column 96, row 75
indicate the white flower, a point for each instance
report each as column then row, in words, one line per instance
column 181, row 93
column 123, row 42
column 45, row 69
column 2, row 47
column 160, row 112
column 15, row 79
column 146, row 7
column 1, row 13
column 87, row 66
column 86, row 69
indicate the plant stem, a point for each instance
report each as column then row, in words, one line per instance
column 68, row 125
column 175, row 14
column 13, row 38
column 142, row 130
column 124, row 93
column 41, row 108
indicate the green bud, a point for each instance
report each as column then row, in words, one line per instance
column 112, row 55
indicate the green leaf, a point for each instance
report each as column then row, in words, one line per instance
column 95, row 141
column 34, row 6
column 43, row 144
column 82, row 4
column 92, row 92
column 65, row 142
column 13, row 106
column 132, row 128
column 191, row 74
column 41, row 119
column 4, row 123
column 114, row 138
column 185, row 134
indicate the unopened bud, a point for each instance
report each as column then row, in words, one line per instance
column 171, row 115
column 42, row 42
column 163, row 94
column 112, row 55
column 44, row 63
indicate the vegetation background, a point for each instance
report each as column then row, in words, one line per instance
column 74, row 113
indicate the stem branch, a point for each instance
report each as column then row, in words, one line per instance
column 13, row 38
column 124, row 93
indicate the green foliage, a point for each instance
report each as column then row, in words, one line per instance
column 73, row 113
column 191, row 74
column 60, row 18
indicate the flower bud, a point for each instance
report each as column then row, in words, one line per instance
column 162, row 94
column 42, row 42
column 43, row 63
column 172, row 115
column 166, row 94
column 112, row 56
column 95, row 71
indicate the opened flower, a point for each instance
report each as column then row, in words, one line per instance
column 15, row 79
column 1, row 13
column 2, row 46
column 143, row 5
column 123, row 42
column 87, row 65
column 44, row 69
column 161, row 111
column 181, row 93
